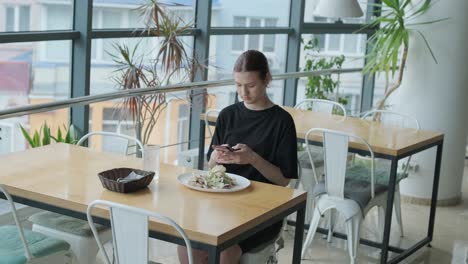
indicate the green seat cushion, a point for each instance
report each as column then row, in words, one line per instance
column 64, row 223
column 12, row 250
column 363, row 173
column 356, row 190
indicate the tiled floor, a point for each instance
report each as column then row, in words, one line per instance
column 450, row 243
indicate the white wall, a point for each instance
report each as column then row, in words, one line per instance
column 436, row 95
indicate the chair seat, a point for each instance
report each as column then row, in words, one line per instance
column 356, row 190
column 361, row 172
column 12, row 250
column 64, row 223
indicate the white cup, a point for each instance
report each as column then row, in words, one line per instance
column 151, row 159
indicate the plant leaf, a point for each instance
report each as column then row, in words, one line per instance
column 428, row 46
column 27, row 136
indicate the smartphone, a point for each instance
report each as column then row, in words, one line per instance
column 224, row 148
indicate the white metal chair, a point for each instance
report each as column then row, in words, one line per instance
column 353, row 199
column 315, row 154
column 18, row 245
column 112, row 134
column 321, row 105
column 397, row 119
column 130, row 232
column 75, row 231
column 207, row 114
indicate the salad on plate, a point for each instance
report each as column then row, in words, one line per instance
column 215, row 179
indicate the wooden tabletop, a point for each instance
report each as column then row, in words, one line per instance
column 383, row 139
column 66, row 176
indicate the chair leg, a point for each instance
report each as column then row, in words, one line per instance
column 352, row 226
column 331, row 224
column 397, row 204
column 381, row 221
column 312, row 229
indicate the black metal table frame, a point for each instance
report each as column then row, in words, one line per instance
column 214, row 251
column 385, row 245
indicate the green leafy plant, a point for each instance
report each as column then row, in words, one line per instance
column 43, row 136
column 138, row 68
column 322, row 86
column 390, row 43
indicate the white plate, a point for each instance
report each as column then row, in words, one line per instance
column 241, row 182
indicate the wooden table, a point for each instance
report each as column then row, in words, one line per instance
column 63, row 178
column 387, row 142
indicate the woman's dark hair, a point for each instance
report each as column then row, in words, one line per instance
column 253, row 60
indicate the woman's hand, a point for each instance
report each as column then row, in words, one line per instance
column 243, row 154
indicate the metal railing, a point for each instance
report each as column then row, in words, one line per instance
column 85, row 100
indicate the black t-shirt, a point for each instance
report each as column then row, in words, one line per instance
column 270, row 133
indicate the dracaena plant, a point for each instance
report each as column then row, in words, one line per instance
column 139, row 68
column 390, row 43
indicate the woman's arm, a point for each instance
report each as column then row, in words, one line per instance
column 245, row 155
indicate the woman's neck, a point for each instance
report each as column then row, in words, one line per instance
column 260, row 105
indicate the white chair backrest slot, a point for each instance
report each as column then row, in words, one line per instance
column 207, row 114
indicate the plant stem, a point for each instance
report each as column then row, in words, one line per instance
column 388, row 92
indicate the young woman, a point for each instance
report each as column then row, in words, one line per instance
column 263, row 137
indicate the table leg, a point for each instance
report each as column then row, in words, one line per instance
column 388, row 213
column 201, row 146
column 435, row 190
column 298, row 234
column 213, row 255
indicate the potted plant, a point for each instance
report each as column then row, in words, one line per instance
column 44, row 137
column 322, row 86
column 390, row 42
column 138, row 68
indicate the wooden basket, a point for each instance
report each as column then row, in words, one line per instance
column 109, row 180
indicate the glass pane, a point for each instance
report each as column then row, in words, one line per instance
column 29, row 77
column 254, row 41
column 345, row 88
column 58, row 17
column 114, row 14
column 333, row 43
column 171, row 127
column 24, row 18
column 103, row 67
column 224, row 12
column 310, row 16
column 10, row 19
column 36, row 15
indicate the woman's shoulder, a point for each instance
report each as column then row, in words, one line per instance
column 283, row 114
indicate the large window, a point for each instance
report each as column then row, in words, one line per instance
column 42, row 68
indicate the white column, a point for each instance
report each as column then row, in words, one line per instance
column 436, row 94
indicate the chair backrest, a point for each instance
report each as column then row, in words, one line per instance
column 111, row 134
column 395, row 119
column 207, row 114
column 27, row 253
column 130, row 232
column 321, row 105
column 335, row 151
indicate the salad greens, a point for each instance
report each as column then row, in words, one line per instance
column 215, row 179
